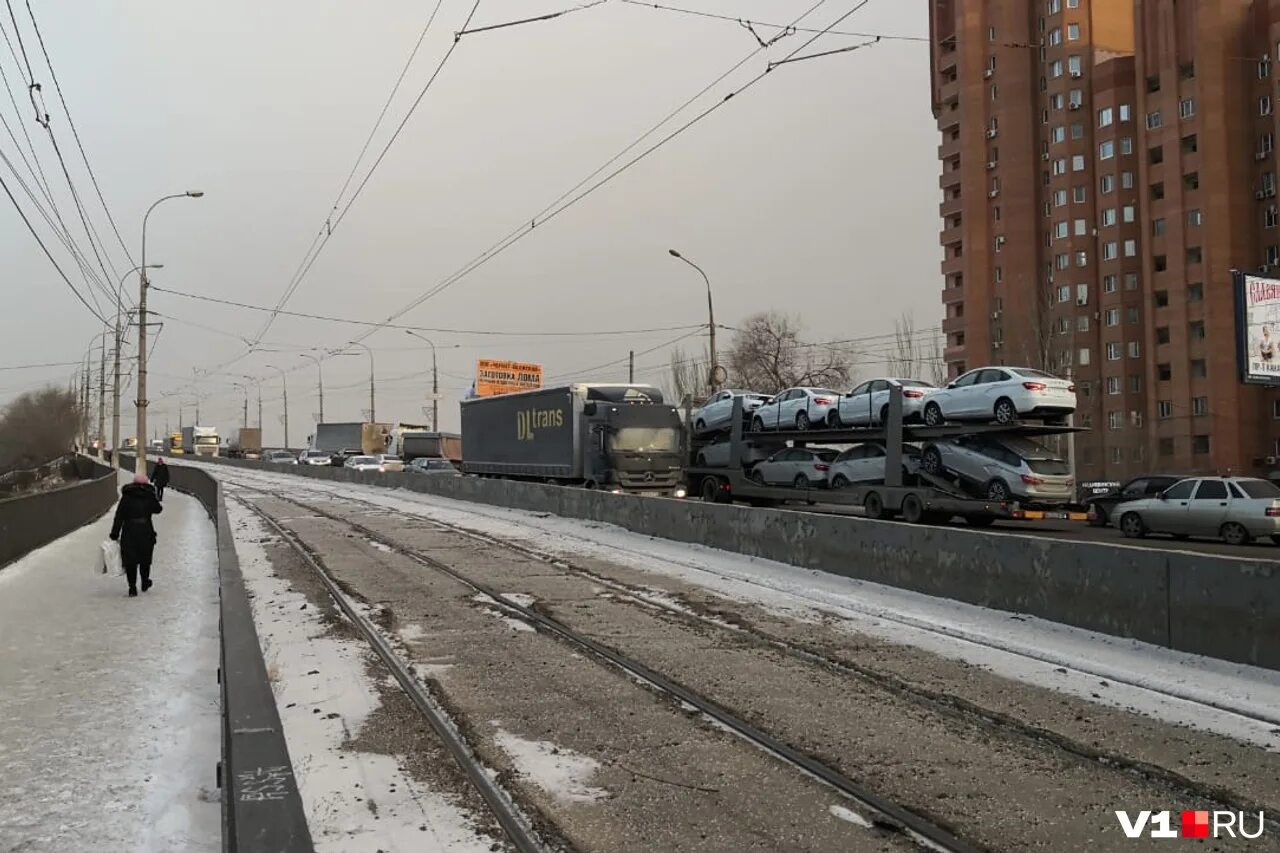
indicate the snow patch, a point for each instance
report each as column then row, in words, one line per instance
column 851, row 816
column 521, row 598
column 412, row 632
column 511, row 621
column 560, row 772
column 386, row 549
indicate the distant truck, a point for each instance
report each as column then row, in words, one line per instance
column 200, row 441
column 247, row 444
column 616, row 437
column 368, row 439
column 417, row 444
column 175, row 443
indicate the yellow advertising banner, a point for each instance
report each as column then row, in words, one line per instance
column 495, row 377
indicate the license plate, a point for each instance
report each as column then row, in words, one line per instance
column 1058, row 514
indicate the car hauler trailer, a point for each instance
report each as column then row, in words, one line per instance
column 918, row 498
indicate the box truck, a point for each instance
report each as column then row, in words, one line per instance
column 200, row 441
column 415, row 444
column 247, row 444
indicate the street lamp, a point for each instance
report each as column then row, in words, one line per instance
column 435, row 381
column 142, row 333
column 714, row 377
column 285, row 384
column 115, row 391
column 319, row 381
column 373, row 415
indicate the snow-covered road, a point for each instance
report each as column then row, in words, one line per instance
column 109, row 726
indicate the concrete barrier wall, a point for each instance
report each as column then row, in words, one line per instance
column 1222, row 607
column 30, row 521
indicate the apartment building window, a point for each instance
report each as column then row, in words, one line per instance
column 1160, row 263
column 1155, row 156
column 1112, row 317
column 1197, row 330
column 1272, row 256
column 1191, row 181
column 1117, row 455
column 1157, row 227
column 1133, row 316
column 1108, row 184
column 1135, row 383
column 1115, row 420
column 1083, row 356
column 1165, row 447
column 1060, row 166
column 1190, row 144
column 1058, row 100
column 1131, row 248
column 1135, row 349
column 1195, row 292
column 1073, row 32
column 1081, row 228
column 991, row 36
column 1055, row 36
column 1126, row 112
column 1194, row 255
column 1060, row 198
column 1073, row 66
column 1199, row 406
column 1264, row 68
column 1109, row 284
column 1275, row 410
column 1164, row 372
column 1131, row 281
column 1044, row 114
column 1113, row 385
column 1105, row 116
column 1153, row 83
column 995, row 91
column 1129, row 213
column 1126, row 180
column 1186, row 108
column 1126, row 145
column 1082, row 294
column 1110, row 251
column 1269, row 183
column 1077, row 99
column 1078, row 194
column 1194, row 218
column 1082, row 258
column 1157, row 192
column 1082, row 324
column 1108, row 217
column 1062, row 262
column 1077, row 163
column 1055, row 6
column 1106, row 150
column 1077, row 130
column 1073, row 4
column 1200, row 444
column 1269, row 217
column 999, row 277
column 1064, row 293
column 1055, row 69
column 1059, row 134
column 999, row 241
column 1164, row 409
column 1114, row 351
column 1162, row 335
column 1264, row 105
column 1266, row 144
column 1153, row 120
column 1064, row 324
column 1162, row 298
column 1060, row 230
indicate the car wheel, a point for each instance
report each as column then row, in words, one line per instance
column 1233, row 533
column 802, row 420
column 700, row 425
column 757, row 425
column 757, row 477
column 933, row 415
column 998, row 490
column 932, row 461
column 912, row 509
column 1099, row 517
column 1005, row 412
column 874, row 505
column 884, row 415
column 833, row 420
column 801, row 482
column 840, row 482
column 1132, row 526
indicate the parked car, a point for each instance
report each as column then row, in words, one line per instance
column 281, row 457
column 1002, row 468
column 716, row 454
column 869, row 403
column 802, row 467
column 1234, row 509
column 390, row 463
column 315, row 457
column 363, row 463
column 1003, row 395
column 865, row 464
column 1100, row 506
column 425, row 465
column 717, row 411
column 796, row 408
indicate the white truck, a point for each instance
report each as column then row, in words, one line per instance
column 200, row 441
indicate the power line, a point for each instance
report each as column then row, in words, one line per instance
column 783, row 27
column 34, row 366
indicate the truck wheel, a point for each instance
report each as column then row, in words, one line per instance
column 933, row 415
column 874, row 505
column 802, row 421
column 912, row 509
column 710, row 490
column 1005, row 412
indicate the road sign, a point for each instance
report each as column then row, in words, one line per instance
column 503, row 377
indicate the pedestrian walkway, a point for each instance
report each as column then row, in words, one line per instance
column 109, row 725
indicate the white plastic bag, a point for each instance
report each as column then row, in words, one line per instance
column 110, row 562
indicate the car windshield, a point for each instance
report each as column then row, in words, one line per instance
column 1033, row 374
column 1259, row 488
column 645, row 440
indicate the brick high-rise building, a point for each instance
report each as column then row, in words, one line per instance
column 1086, row 236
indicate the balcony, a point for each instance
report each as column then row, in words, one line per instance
column 949, row 148
column 951, row 325
column 949, row 92
column 949, row 178
column 950, row 207
column 951, row 234
column 952, row 295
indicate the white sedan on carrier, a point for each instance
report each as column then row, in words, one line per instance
column 717, row 411
column 1004, row 395
column 869, row 402
column 796, row 408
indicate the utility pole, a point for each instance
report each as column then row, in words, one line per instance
column 259, row 405
column 713, row 380
column 285, row 385
column 373, row 414
column 631, row 367
column 319, row 381
column 435, row 380
column 102, row 400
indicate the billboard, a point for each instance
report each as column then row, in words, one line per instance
column 1258, row 328
column 495, row 377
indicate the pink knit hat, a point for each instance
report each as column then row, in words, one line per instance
column 140, row 479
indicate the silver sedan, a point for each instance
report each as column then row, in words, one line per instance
column 1234, row 509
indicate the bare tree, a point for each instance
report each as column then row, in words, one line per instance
column 37, row 427
column 768, row 356
column 1037, row 341
column 689, row 375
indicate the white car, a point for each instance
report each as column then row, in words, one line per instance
column 363, row 463
column 1003, row 395
column 869, row 402
column 801, row 467
column 315, row 457
column 796, row 408
column 281, row 457
column 865, row 464
column 390, row 463
column 717, row 411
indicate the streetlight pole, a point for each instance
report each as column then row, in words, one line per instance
column 115, row 389
column 142, row 333
column 285, row 384
column 714, row 378
column 319, row 381
column 102, row 400
column 373, row 415
column 435, row 381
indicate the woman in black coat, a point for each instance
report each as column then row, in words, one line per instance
column 160, row 477
column 133, row 529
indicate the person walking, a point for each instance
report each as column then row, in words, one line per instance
column 160, row 478
column 132, row 528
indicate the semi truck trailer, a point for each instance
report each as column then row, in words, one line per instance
column 416, row 444
column 352, row 437
column 247, row 444
column 622, row 438
column 200, row 441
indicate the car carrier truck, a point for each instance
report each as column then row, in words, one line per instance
column 622, row 438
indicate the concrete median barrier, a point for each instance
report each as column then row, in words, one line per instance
column 1212, row 605
column 33, row 520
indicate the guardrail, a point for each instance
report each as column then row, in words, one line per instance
column 1222, row 607
column 29, row 521
column 262, row 809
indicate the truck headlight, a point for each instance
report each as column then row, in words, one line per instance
column 681, row 492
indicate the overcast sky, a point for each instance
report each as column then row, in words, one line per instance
column 814, row 192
